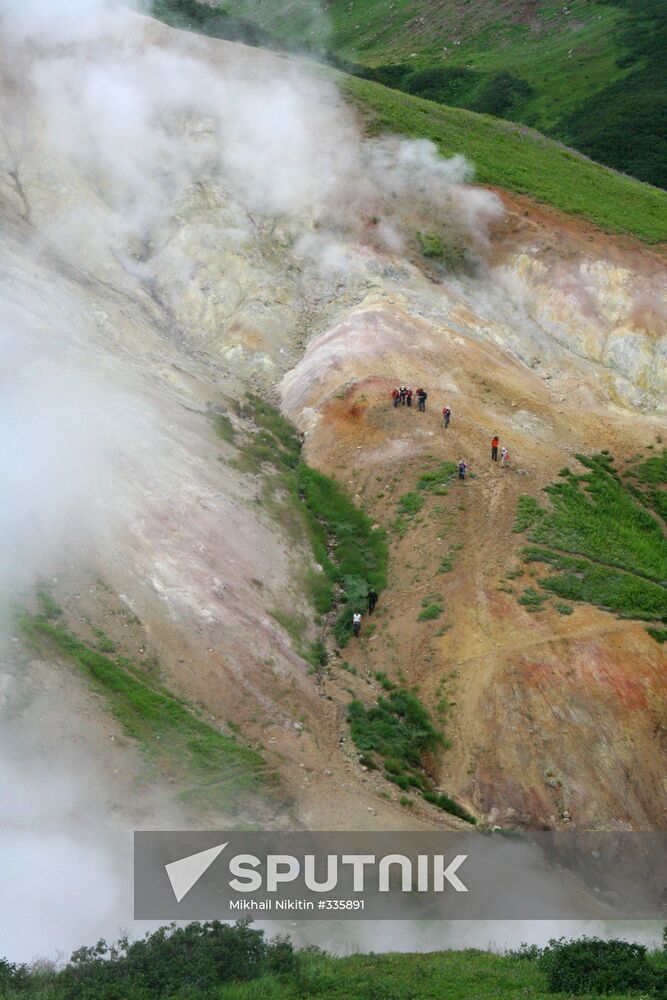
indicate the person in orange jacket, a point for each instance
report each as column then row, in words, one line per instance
column 494, row 448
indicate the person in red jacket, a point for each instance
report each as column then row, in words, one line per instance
column 446, row 414
column 408, row 397
column 396, row 396
column 494, row 448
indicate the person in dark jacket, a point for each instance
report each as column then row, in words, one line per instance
column 372, row 599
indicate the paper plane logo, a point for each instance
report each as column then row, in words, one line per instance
column 186, row 872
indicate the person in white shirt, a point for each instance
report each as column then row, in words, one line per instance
column 356, row 623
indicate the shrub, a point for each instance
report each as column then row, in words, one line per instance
column 502, row 95
column 399, row 730
column 591, row 965
column 174, row 961
column 430, row 611
column 431, row 245
column 531, row 599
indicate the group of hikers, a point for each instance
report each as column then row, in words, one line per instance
column 403, row 395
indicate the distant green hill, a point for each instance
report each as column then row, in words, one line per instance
column 591, row 73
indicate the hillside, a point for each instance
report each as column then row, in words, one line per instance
column 518, row 159
column 590, row 74
column 215, row 270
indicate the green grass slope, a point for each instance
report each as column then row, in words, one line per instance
column 589, row 72
column 603, row 538
column 518, row 159
column 212, row 769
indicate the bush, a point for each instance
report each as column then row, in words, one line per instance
column 430, row 611
column 172, row 961
column 431, row 245
column 13, row 976
column 591, row 965
column 399, row 730
column 502, row 95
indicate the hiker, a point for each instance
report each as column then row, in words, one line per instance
column 504, row 456
column 422, row 396
column 356, row 623
column 372, row 599
column 463, row 468
column 408, row 396
column 446, row 413
column 494, row 448
column 395, row 395
column 401, row 392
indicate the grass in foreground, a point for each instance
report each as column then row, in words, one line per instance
column 214, row 961
column 213, row 769
column 603, row 538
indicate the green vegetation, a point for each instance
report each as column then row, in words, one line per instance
column 435, row 479
column 410, row 503
column 214, row 20
column 431, row 245
column 601, row 967
column 624, row 123
column 397, row 731
column 224, row 427
column 532, row 600
column 432, row 607
column 648, row 482
column 602, row 538
column 572, row 86
column 350, row 549
column 213, row 769
column 518, row 159
column 215, row 961
column 590, row 73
